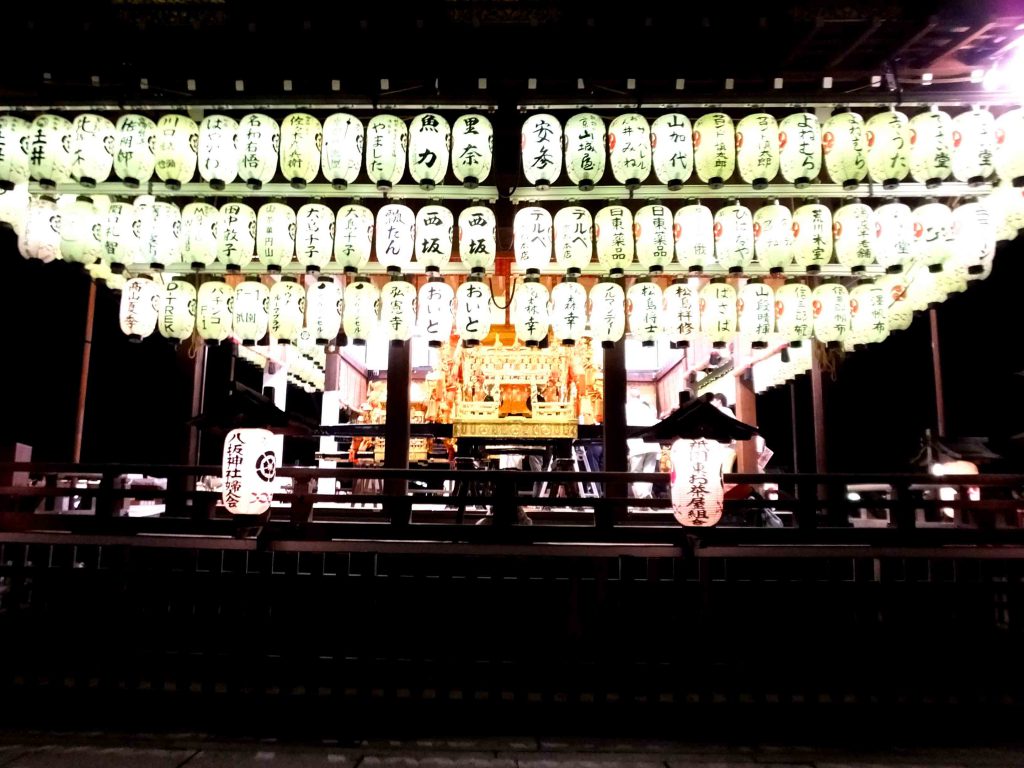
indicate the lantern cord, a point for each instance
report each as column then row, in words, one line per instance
column 512, row 293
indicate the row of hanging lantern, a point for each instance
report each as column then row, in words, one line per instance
column 887, row 148
column 53, row 150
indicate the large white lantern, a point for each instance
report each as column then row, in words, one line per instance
column 323, row 310
column 121, row 235
column 889, row 141
column 134, row 147
column 568, row 310
column 386, row 141
column 532, row 236
column 314, row 236
column 398, row 309
column 473, row 311
column 974, row 145
column 698, row 493
column 574, row 238
column 258, row 146
column 14, row 204
column 894, row 235
column 757, row 149
column 541, row 148
column 175, row 151
column 773, row 236
column 672, row 149
column 530, row 311
column 844, row 146
column 607, row 313
column 353, row 237
column 302, row 138
column 869, row 319
column 14, row 143
column 342, row 155
column 1009, row 158
column 477, row 238
column 831, row 306
column 472, row 149
column 430, row 143
column 974, row 238
column 652, row 230
column 756, row 313
column 800, row 148
column 252, row 311
column 249, row 470
column 644, row 300
column 435, row 230
column 436, row 305
column 92, row 149
column 287, row 310
column 218, row 150
column 680, row 315
column 584, row 141
column 81, row 231
column 177, row 318
column 215, row 311
column 794, row 316
column 734, row 236
column 160, row 238
column 613, row 230
column 236, row 235
column 924, row 286
column 49, row 150
column 931, row 147
column 140, row 308
column 812, row 236
column 899, row 313
column 718, row 310
column 40, row 236
column 275, row 235
column 714, row 148
column 854, row 228
column 629, row 149
column 694, row 230
column 396, row 232
column 199, row 234
column 933, row 233
column 361, row 310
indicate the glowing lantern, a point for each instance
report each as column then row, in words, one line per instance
column 568, row 310
column 974, row 238
column 252, row 311
column 889, row 139
column 931, row 147
column 974, row 145
column 14, row 161
column 644, row 299
column 49, row 150
column 175, row 151
column 756, row 313
column 831, row 306
column 323, row 310
column 435, row 229
column 800, row 148
column 314, row 236
column 361, row 308
column 398, row 309
column 477, row 238
column 342, row 155
column 249, row 468
column 199, row 234
column 869, row 320
column 236, row 235
column 607, row 313
column 177, row 308
column 757, row 149
column 812, row 236
column 386, row 142
column 473, row 311
column 924, row 288
column 396, row 233
column 672, row 149
column 81, row 231
column 854, row 229
column 899, row 313
column 584, row 140
column 694, row 229
column 652, row 230
column 1007, row 205
column 287, row 310
column 258, row 145
column 574, row 238
column 530, row 311
column 472, row 149
column 92, row 149
column 698, row 492
column 794, row 318
column 629, row 149
column 613, row 228
column 718, row 309
column 679, row 316
column 160, row 234
column 121, row 243
column 734, row 236
column 773, row 236
column 532, row 237
column 430, row 143
column 275, row 235
column 40, row 236
column 353, row 237
column 933, row 233
column 134, row 145
column 1009, row 158
column 139, row 308
column 214, row 311
column 845, row 148
column 894, row 230
column 302, row 137
column 14, row 204
column 436, row 303
column 218, row 150
column 714, row 148
column 541, row 148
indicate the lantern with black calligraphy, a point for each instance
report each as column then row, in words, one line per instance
column 734, row 236
column 800, row 148
column 644, row 300
column 933, row 234
column 386, row 141
column 275, row 235
column 812, row 236
column 342, row 154
column 844, row 146
column 472, row 149
column 869, row 321
column 134, row 147
column 629, row 149
column 714, row 148
column 353, row 237
column 177, row 308
column 974, row 145
column 396, row 231
column 693, row 227
column 236, row 235
column 584, row 140
column 249, row 468
column 140, row 308
column 894, row 235
column 436, row 303
column 530, row 311
column 40, row 236
column 176, row 150
column 1009, row 157
column 361, row 310
column 679, row 315
column 607, row 313
column 924, row 288
column 854, row 228
column 698, row 493
column 398, row 309
column 199, row 234
column 314, row 236
column 49, row 150
column 92, row 149
column 773, row 237
column 931, row 147
column 652, row 230
column 218, row 150
column 473, row 310
column 287, row 310
column 830, row 303
column 794, row 317
column 974, row 238
column 541, row 148
column 435, row 229
column 718, row 310
column 121, row 242
column 14, row 204
column 14, row 158
column 574, row 238
column 899, row 313
column 251, row 310
column 477, row 232
column 160, row 234
column 302, row 138
column 756, row 313
column 568, row 310
column 889, row 141
column 613, row 229
column 81, row 231
column 215, row 304
column 258, row 145
column 757, row 149
column 323, row 310
column 532, row 237
column 430, row 143
column 672, row 149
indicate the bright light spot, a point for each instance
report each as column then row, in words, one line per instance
column 853, row 496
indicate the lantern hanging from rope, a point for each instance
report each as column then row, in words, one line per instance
column 258, row 146
column 830, row 303
column 693, row 227
column 734, row 236
column 974, row 145
column 160, row 238
column 353, row 237
column 894, row 230
column 584, row 141
column 812, row 236
column 398, row 309
column 302, row 138
column 931, row 147
column 218, row 150
column 773, row 237
column 718, row 312
column 844, row 147
column 794, row 316
column 396, row 232
column 532, row 236
column 472, row 149
column 756, row 313
column 177, row 309
column 854, row 228
column 251, row 311
column 568, row 310
column 714, row 148
column 607, row 313
column 249, row 470
column 613, row 230
column 473, row 310
column 236, row 235
column 541, row 149
column 341, row 156
column 92, row 149
column 1009, row 157
column 889, row 139
column 49, row 150
column 436, row 303
column 430, row 145
column 698, row 492
column 477, row 232
column 139, row 308
column 275, row 236
column 652, row 231
column 672, row 149
column 679, row 317
column 199, row 234
column 530, row 311
column 434, row 229
column 14, row 151
column 629, row 149
column 361, row 310
column 215, row 305
column 175, row 150
column 800, row 148
column 757, row 149
column 287, row 310
column 314, row 236
column 574, row 238
column 644, row 301
column 323, row 310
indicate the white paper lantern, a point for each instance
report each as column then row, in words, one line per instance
column 869, row 317
column 215, row 303
column 800, row 148
column 933, row 233
column 258, row 144
column 386, row 141
column 14, row 205
column 854, row 228
column 434, row 229
column 698, row 493
column 436, row 304
column 974, row 145
column 249, row 470
column 134, row 147
column 199, row 234
column 302, row 138
column 342, row 154
column 1009, row 157
column 718, row 312
column 924, row 288
column 607, row 313
column 477, row 232
column 629, row 149
column 530, row 311
column 398, row 310
column 236, row 235
column 773, row 237
column 176, row 148
column 472, row 149
column 672, row 149
column 652, row 230
column 831, row 307
column 757, row 149
column 584, row 140
column 49, row 150
column 974, row 239
column 39, row 238
column 574, row 238
column 812, row 236
column 889, row 141
column 160, row 234
column 218, row 150
column 694, row 230
column 92, row 149
column 473, row 311
column 396, row 232
column 81, row 231
column 14, row 144
column 275, row 235
column 314, row 236
column 430, row 142
column 287, row 310
column 644, row 300
column 353, row 237
column 794, row 315
column 361, row 310
column 140, row 308
column 894, row 235
column 323, row 310
column 541, row 149
column 532, row 236
column 844, row 146
column 568, row 310
column 734, row 236
column 1007, row 205
column 756, row 313
column 251, row 311
column 122, row 243
column 931, row 147
column 613, row 230
column 714, row 148
column 177, row 308
column 680, row 316
column 899, row 313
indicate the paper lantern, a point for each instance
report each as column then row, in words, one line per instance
column 644, row 300
column 175, row 151
column 894, row 235
column 275, row 235
column 584, row 140
column 477, row 244
column 473, row 311
column 800, row 148
column 323, row 310
column 755, row 306
column 541, row 149
column 472, row 149
column 680, row 319
column 140, row 308
column 218, row 150
column 794, row 317
column 607, row 313
column 718, row 309
column 757, row 149
column 49, row 150
column 652, row 231
column 974, row 145
column 1007, row 205
column 974, row 238
column 435, row 228
column 251, row 311
column 844, row 146
column 398, row 309
column 773, row 236
column 933, row 233
column 698, row 493
column 249, row 470
column 436, row 303
column 568, row 310
column 830, row 303
column 924, row 289
column 854, row 228
column 258, row 145
column 353, row 237
column 672, row 149
column 14, row 143
column 1009, row 157
column 694, row 230
column 430, row 143
column 342, row 155
column 629, row 149
column 160, row 234
column 177, row 310
column 40, row 236
column 81, row 231
column 396, row 232
column 613, row 230
column 734, row 236
column 574, row 238
column 199, row 234
column 302, row 138
column 92, row 149
column 714, row 148
column 869, row 318
column 361, row 310
column 532, row 236
column 134, row 146
column 215, row 304
column 899, row 313
column 287, row 310
column 314, row 236
column 530, row 311
column 121, row 236
column 236, row 235
column 812, row 236
column 931, row 147
column 14, row 204
column 386, row 142
column 888, row 154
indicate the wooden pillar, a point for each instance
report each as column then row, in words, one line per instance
column 616, row 458
column 746, row 411
column 940, row 404
column 818, row 411
column 396, row 429
column 198, row 387
column 83, row 381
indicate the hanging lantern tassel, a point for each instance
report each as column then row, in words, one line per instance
column 698, row 493
column 249, row 471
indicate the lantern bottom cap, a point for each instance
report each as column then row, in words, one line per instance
column 759, row 345
column 339, row 184
column 217, row 184
column 427, row 184
column 1018, row 181
column 675, row 185
column 212, row 342
column 776, row 271
column 759, row 183
column 647, row 343
column 655, row 269
column 975, row 269
column 568, row 342
column 833, row 344
column 323, row 342
column 254, row 184
column 6, row 185
column 933, row 182
column 796, row 343
column 471, row 182
column 471, row 342
column 607, row 344
column 312, row 269
column 134, row 338
column 274, row 269
column 801, row 181
column 298, row 183
column 47, row 183
column 718, row 345
column 573, row 272
column 812, row 269
column 586, row 185
column 851, row 184
column 116, row 268
column 934, row 268
column 695, row 268
column 735, row 270
column 542, row 184
column 248, row 342
column 617, row 272
column 87, row 181
column 172, row 184
column 383, row 185
column 435, row 343
column 532, row 343
column 890, row 183
column 894, row 269
column 397, row 342
column 857, row 268
column 632, row 184
column 716, row 182
column 975, row 181
column 859, row 347
column 131, row 181
column 233, row 268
